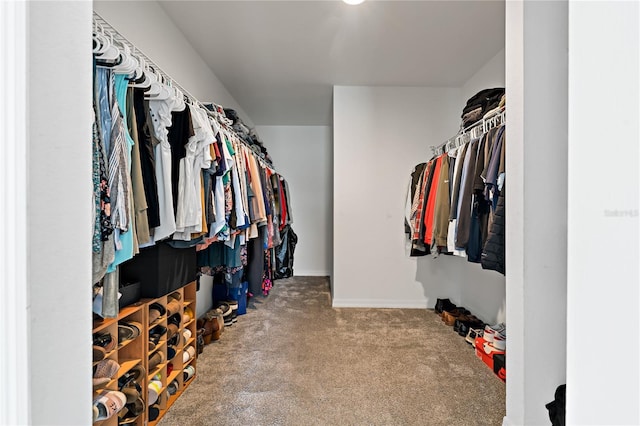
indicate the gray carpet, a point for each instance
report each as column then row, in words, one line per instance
column 293, row 360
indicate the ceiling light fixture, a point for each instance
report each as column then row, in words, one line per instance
column 353, row 2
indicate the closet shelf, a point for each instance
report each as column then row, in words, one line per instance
column 159, row 346
column 125, row 366
column 109, row 386
column 128, row 310
column 126, row 343
column 174, row 374
column 187, row 383
column 107, row 355
column 99, row 325
column 160, row 320
column 156, row 371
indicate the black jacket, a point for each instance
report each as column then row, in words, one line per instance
column 493, row 252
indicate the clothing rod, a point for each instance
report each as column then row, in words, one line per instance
column 101, row 24
column 494, row 119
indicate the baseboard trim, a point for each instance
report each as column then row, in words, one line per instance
column 506, row 422
column 379, row 303
column 311, row 273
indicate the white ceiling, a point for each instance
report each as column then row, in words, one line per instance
column 280, row 59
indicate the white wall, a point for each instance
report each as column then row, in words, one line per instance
column 148, row 27
column 14, row 301
column 490, row 75
column 536, row 208
column 59, row 216
column 603, row 386
column 380, row 134
column 303, row 155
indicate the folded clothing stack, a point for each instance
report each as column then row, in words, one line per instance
column 479, row 104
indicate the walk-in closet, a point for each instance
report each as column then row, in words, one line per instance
column 319, row 212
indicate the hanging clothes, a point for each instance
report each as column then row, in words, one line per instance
column 442, row 209
column 431, row 202
column 161, row 117
column 141, row 218
column 168, row 170
column 459, row 154
column 120, row 169
column 452, row 201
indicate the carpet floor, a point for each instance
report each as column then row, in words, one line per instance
column 293, row 360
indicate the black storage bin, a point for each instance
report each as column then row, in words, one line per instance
column 160, row 269
column 129, row 294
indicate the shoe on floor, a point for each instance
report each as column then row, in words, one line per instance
column 470, row 321
column 491, row 330
column 473, row 334
column 227, row 313
column 490, row 349
column 444, row 305
column 500, row 342
column 233, row 304
column 449, row 317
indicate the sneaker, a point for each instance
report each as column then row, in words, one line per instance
column 473, row 334
column 491, row 330
column 490, row 349
column 500, row 342
column 154, row 412
column 188, row 373
column 107, row 404
column 465, row 324
column 172, row 389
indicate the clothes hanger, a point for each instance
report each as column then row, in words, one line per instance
column 177, row 97
column 163, row 90
column 138, row 75
column 110, row 55
column 99, row 39
column 154, row 86
column 146, row 82
column 128, row 64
